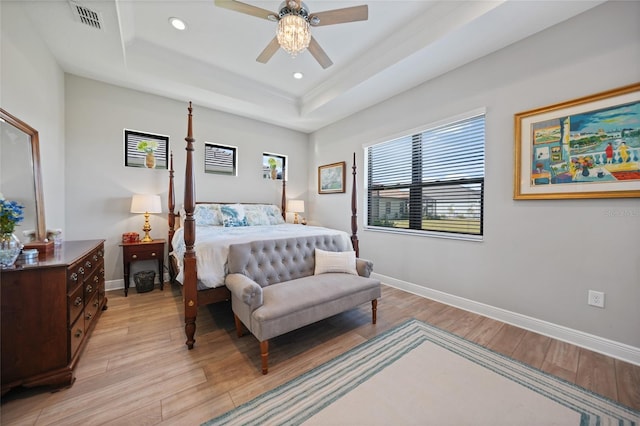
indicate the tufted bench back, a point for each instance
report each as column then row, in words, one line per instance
column 273, row 261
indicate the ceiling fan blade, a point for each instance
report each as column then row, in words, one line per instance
column 268, row 51
column 340, row 16
column 246, row 8
column 320, row 55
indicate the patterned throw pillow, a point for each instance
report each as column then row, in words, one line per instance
column 233, row 215
column 208, row 215
column 274, row 214
column 256, row 215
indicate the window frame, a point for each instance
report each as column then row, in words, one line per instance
column 409, row 133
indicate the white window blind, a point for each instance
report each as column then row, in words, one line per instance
column 429, row 181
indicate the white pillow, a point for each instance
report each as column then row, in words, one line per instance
column 335, row 261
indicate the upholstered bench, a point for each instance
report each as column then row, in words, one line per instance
column 281, row 285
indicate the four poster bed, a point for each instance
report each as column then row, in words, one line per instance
column 202, row 276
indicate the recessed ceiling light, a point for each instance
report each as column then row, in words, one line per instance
column 177, row 23
column 298, row 75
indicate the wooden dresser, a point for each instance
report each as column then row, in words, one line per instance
column 48, row 310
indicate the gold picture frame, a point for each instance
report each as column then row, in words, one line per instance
column 331, row 178
column 583, row 148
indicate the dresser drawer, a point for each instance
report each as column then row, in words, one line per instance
column 75, row 275
column 75, row 303
column 91, row 310
column 149, row 251
column 92, row 284
column 76, row 335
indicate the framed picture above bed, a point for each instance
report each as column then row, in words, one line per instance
column 146, row 150
column 331, row 178
column 273, row 165
column 220, row 159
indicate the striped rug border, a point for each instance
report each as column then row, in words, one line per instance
column 287, row 404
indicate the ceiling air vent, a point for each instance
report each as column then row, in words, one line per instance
column 85, row 15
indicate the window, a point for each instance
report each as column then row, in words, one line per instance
column 430, row 182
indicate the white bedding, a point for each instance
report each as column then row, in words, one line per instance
column 212, row 246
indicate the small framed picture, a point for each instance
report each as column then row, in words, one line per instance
column 331, row 178
column 146, row 150
column 274, row 166
column 220, row 159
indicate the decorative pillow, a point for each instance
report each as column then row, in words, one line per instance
column 233, row 215
column 335, row 261
column 274, row 214
column 207, row 215
column 256, row 214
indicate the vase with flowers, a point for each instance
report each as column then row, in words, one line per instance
column 10, row 246
column 149, row 148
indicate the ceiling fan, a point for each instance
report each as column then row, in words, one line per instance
column 294, row 21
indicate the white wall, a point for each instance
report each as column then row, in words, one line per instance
column 32, row 89
column 538, row 258
column 99, row 186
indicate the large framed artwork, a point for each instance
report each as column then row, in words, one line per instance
column 584, row 148
column 331, row 178
column 220, row 159
column 145, row 149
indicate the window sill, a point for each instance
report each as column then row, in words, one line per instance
column 449, row 236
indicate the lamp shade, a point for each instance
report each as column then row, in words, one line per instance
column 142, row 203
column 296, row 206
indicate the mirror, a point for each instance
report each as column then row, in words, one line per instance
column 20, row 175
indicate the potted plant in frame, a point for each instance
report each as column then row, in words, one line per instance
column 148, row 147
column 272, row 165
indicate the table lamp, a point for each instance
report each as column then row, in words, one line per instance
column 142, row 203
column 296, row 206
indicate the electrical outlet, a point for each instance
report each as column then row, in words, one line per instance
column 596, row 298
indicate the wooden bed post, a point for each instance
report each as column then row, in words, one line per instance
column 172, row 204
column 354, row 211
column 190, row 276
column 283, row 202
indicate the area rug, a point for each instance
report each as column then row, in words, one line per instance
column 417, row 374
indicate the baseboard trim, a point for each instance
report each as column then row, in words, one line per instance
column 598, row 344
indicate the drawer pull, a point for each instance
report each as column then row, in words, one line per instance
column 87, row 264
column 81, row 270
column 153, row 254
column 89, row 315
column 135, row 256
column 95, row 257
column 78, row 333
column 96, row 303
column 96, row 279
column 89, row 289
column 74, row 277
column 78, row 301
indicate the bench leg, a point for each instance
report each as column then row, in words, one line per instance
column 374, row 311
column 239, row 326
column 264, row 355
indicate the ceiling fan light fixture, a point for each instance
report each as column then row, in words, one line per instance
column 293, row 33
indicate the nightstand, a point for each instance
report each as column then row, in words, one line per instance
column 133, row 252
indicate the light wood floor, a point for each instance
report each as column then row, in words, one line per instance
column 136, row 369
